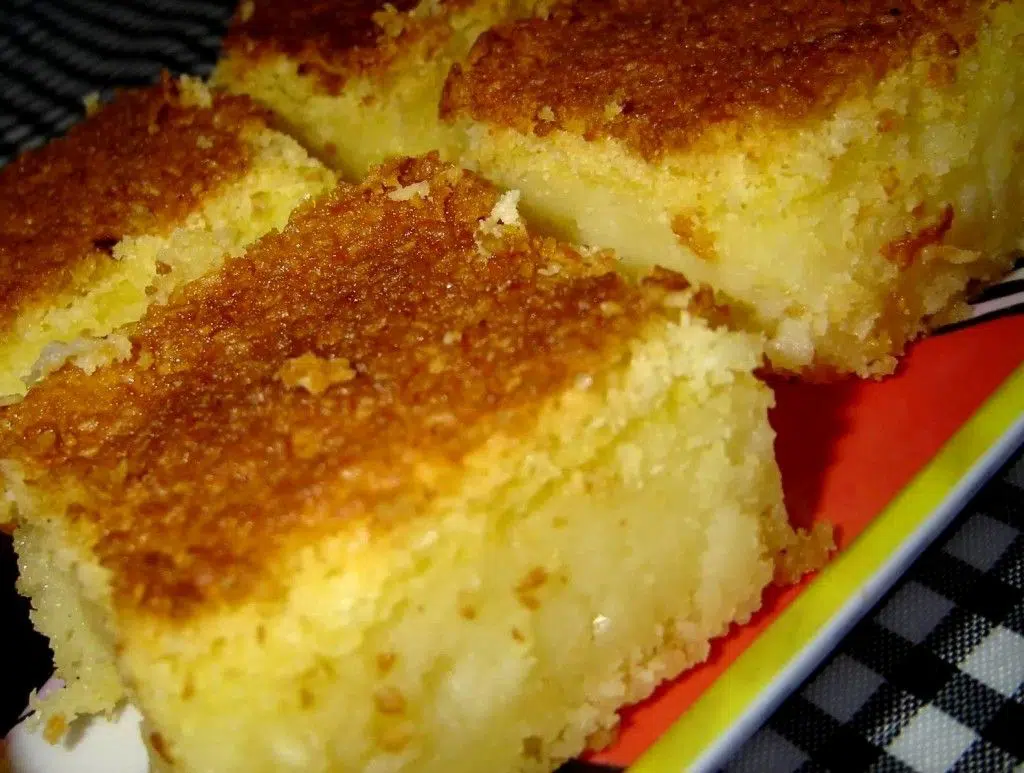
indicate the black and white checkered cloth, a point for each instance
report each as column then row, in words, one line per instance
column 54, row 52
column 932, row 680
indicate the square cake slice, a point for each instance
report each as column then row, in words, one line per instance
column 405, row 488
column 840, row 172
column 357, row 81
column 148, row 192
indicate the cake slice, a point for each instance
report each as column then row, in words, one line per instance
column 840, row 172
column 148, row 192
column 357, row 82
column 404, row 487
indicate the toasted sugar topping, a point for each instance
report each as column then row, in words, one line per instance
column 335, row 39
column 138, row 165
column 209, row 449
column 656, row 74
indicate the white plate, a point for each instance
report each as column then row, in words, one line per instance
column 97, row 746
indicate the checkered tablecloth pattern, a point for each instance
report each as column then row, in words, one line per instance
column 933, row 680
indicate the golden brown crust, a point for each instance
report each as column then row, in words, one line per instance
column 207, row 450
column 138, row 165
column 332, row 41
column 656, row 74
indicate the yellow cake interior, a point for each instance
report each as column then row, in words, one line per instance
column 791, row 226
column 375, row 115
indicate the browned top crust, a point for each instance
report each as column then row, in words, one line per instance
column 317, row 380
column 138, row 165
column 333, row 40
column 656, row 74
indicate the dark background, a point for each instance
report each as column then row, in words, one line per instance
column 27, row 656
